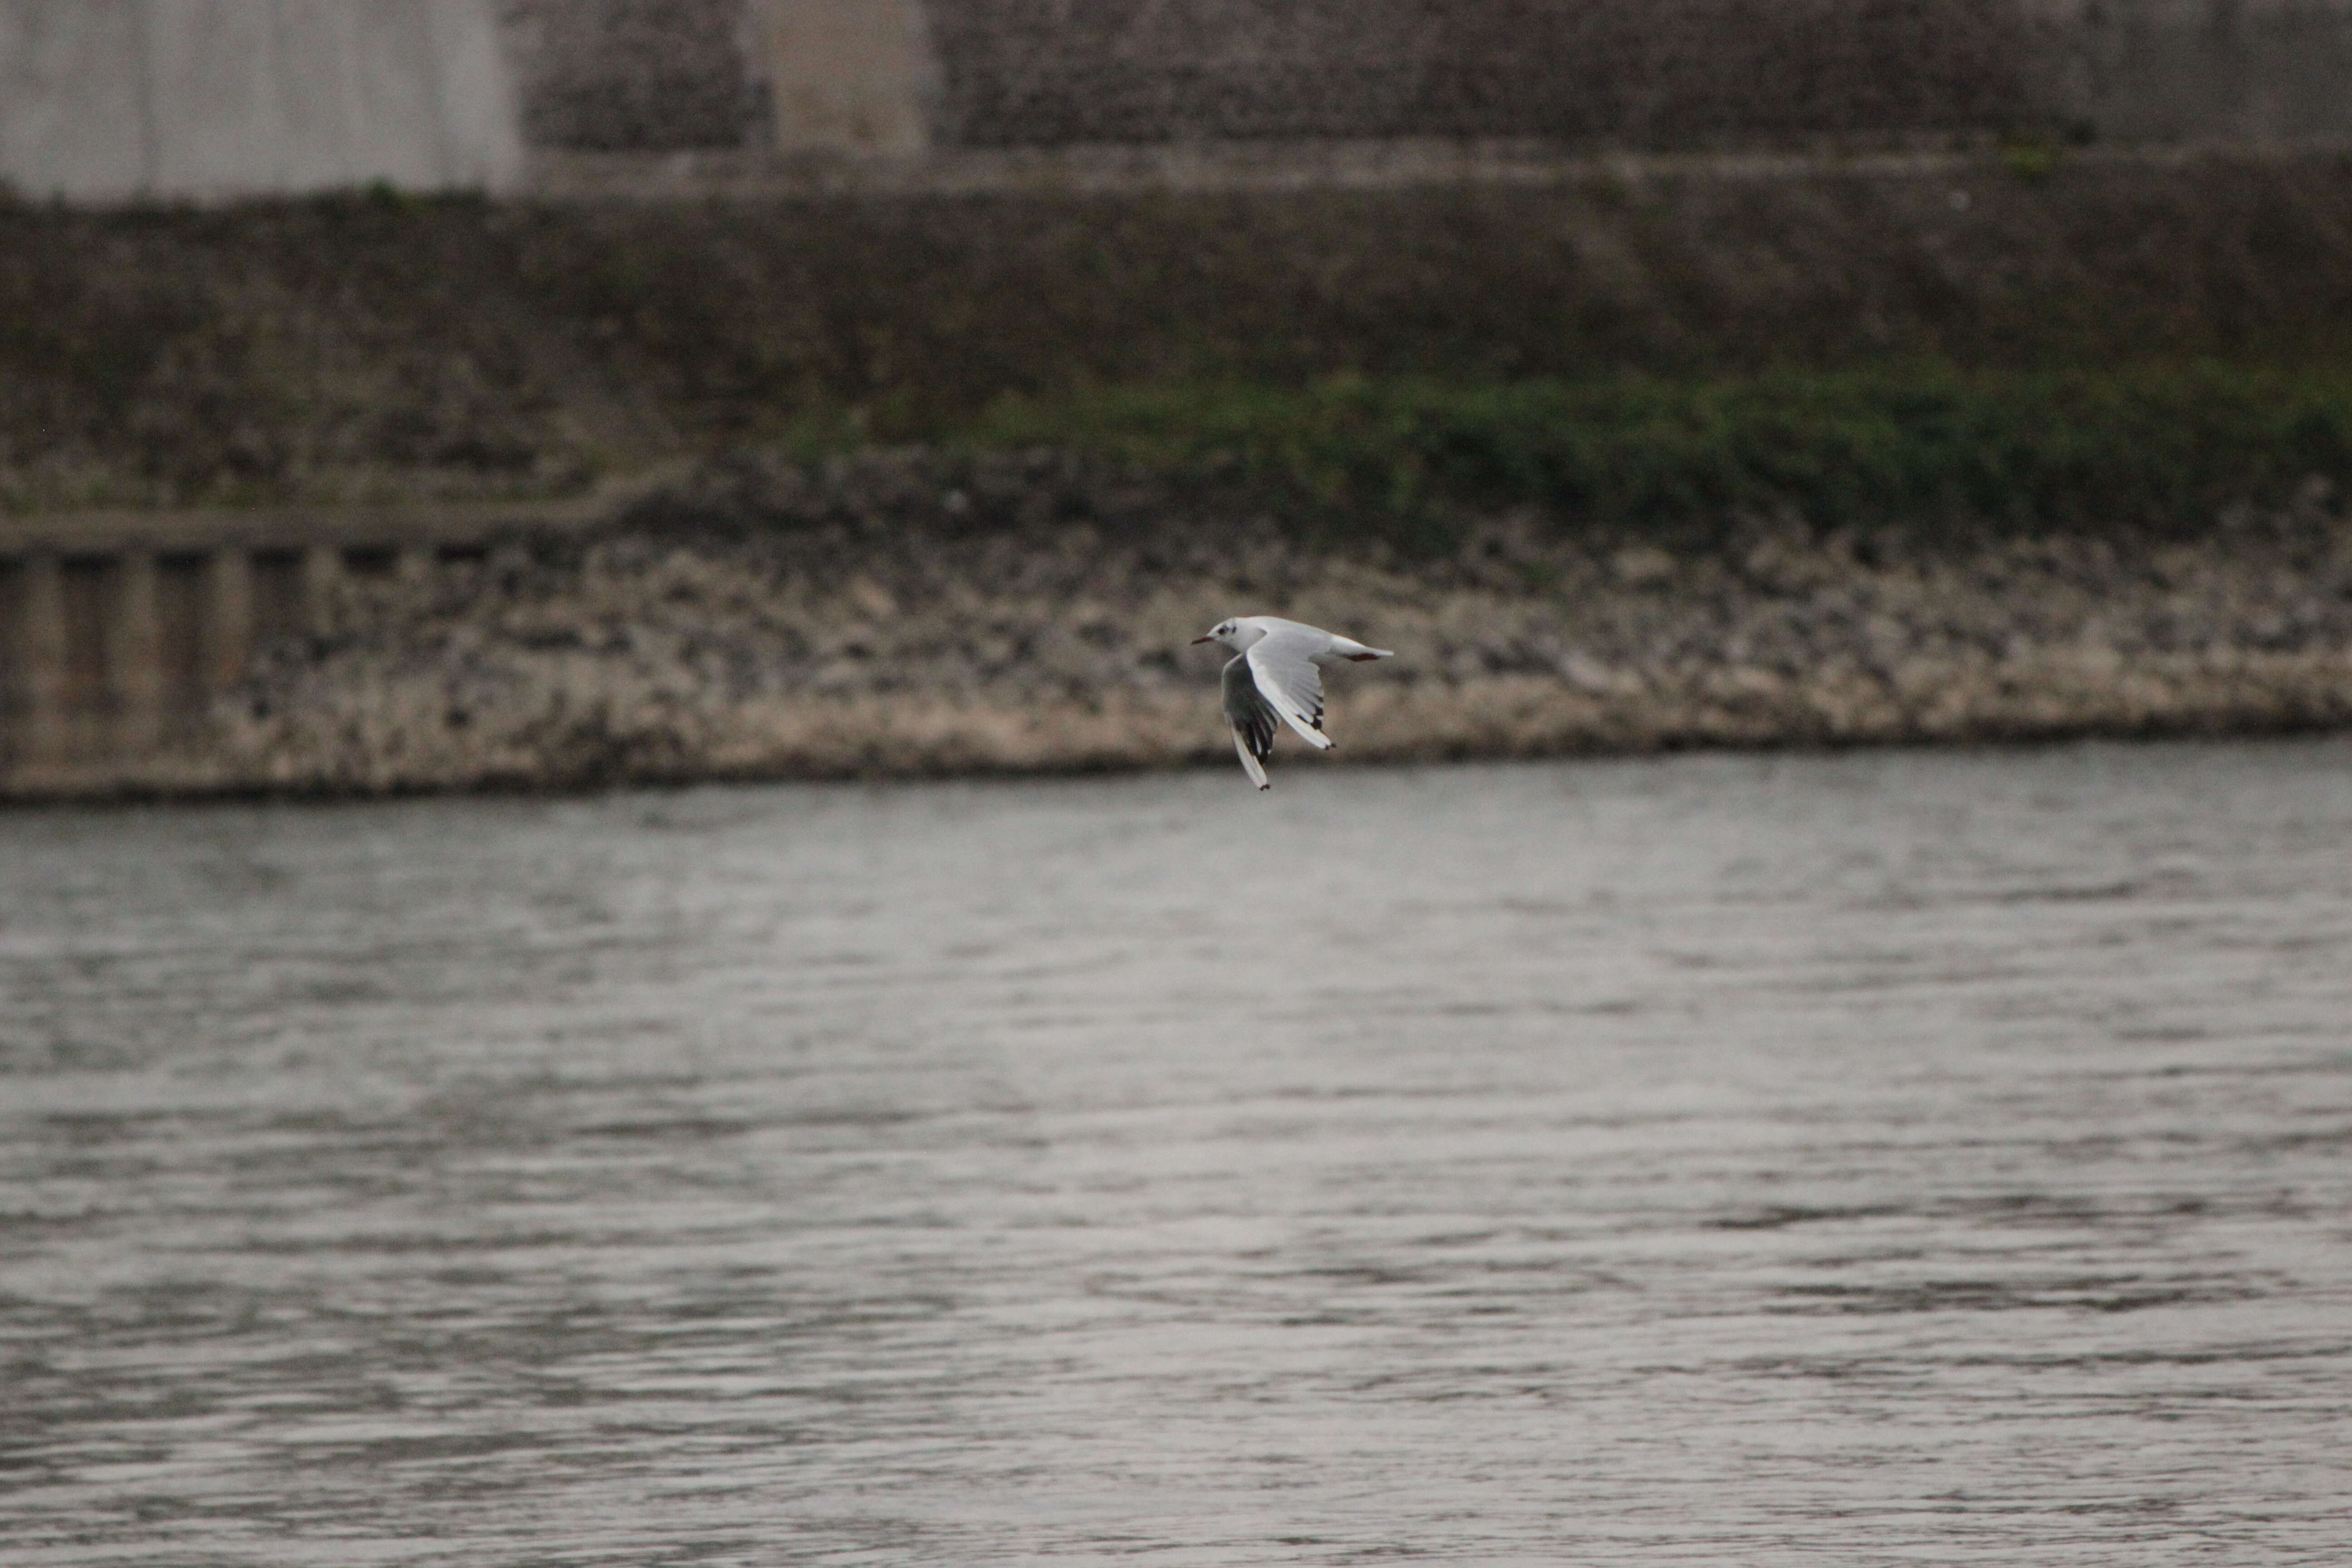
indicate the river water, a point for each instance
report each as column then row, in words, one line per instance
column 1892, row 1158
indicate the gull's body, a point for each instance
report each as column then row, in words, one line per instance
column 1275, row 678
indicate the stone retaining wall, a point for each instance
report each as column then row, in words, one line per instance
column 719, row 75
column 109, row 100
column 1668, row 73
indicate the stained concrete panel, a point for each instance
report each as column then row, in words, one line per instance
column 103, row 100
column 854, row 76
column 76, row 112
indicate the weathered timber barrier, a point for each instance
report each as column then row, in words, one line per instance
column 119, row 629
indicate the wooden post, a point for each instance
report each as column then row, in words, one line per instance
column 41, row 645
column 136, row 646
column 229, row 618
column 323, row 569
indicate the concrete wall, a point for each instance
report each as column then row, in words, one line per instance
column 106, row 99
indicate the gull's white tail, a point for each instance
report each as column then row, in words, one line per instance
column 1249, row 763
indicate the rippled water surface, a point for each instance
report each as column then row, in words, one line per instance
column 1895, row 1158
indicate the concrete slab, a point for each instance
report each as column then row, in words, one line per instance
column 111, row 99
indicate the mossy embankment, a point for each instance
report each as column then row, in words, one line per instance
column 2138, row 449
column 1940, row 450
column 378, row 347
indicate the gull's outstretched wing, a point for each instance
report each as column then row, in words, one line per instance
column 1283, row 662
column 1252, row 717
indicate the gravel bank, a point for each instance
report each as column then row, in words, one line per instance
column 910, row 614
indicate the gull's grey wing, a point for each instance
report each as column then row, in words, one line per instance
column 1252, row 717
column 1284, row 663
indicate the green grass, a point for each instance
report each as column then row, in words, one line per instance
column 2161, row 449
column 1604, row 347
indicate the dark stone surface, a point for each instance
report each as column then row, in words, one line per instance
column 1676, row 72
column 645, row 75
column 662, row 76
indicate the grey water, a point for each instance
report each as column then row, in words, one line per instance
column 1892, row 1158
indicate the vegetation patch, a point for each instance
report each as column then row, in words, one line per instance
column 2160, row 449
column 1890, row 340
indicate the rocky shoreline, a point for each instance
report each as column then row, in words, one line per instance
column 914, row 614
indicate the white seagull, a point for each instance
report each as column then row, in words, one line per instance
column 1275, row 676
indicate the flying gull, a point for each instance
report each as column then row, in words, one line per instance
column 1275, row 675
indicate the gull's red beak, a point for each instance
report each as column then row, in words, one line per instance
column 1211, row 637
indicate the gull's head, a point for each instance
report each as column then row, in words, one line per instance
column 1224, row 632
